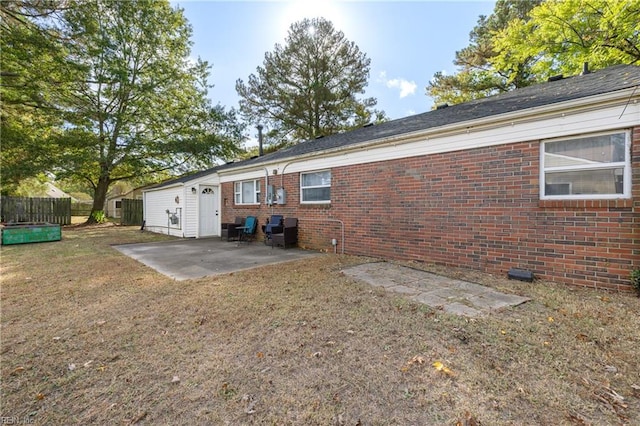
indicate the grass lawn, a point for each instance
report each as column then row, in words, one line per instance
column 90, row 336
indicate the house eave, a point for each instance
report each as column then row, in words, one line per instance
column 160, row 188
column 539, row 113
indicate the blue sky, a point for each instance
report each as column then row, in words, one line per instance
column 407, row 41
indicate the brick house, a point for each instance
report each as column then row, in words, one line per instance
column 544, row 178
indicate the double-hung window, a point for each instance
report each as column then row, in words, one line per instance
column 247, row 192
column 594, row 166
column 315, row 187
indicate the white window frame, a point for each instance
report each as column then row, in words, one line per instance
column 302, row 188
column 625, row 165
column 237, row 192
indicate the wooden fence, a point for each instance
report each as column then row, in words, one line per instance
column 26, row 209
column 81, row 209
column 131, row 213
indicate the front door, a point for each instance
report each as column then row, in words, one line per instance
column 208, row 211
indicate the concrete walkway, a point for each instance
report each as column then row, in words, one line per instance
column 195, row 258
column 451, row 295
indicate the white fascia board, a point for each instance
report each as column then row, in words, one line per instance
column 162, row 188
column 211, row 179
column 561, row 126
column 255, row 172
column 614, row 110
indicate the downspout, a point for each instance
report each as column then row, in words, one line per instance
column 266, row 189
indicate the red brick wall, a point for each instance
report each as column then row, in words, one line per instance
column 477, row 208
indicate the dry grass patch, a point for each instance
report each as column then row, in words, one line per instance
column 90, row 336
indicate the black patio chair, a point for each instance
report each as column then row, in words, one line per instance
column 230, row 231
column 274, row 225
column 289, row 235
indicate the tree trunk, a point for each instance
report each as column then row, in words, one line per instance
column 99, row 198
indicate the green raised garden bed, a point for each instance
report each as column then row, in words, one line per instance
column 25, row 233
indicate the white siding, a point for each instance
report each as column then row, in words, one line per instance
column 192, row 224
column 157, row 202
column 191, row 212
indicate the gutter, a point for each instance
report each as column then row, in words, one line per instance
column 620, row 97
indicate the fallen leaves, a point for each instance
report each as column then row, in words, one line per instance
column 417, row 360
column 608, row 397
column 420, row 360
column 439, row 366
column 583, row 337
column 468, row 420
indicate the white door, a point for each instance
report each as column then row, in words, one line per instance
column 208, row 211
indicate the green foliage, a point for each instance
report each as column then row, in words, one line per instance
column 123, row 98
column 635, row 279
column 476, row 77
column 561, row 35
column 32, row 59
column 308, row 87
column 31, row 187
column 524, row 42
column 98, row 216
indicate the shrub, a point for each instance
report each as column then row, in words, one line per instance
column 99, row 216
column 635, row 279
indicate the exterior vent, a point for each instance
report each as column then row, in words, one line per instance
column 368, row 125
column 520, row 274
column 555, row 77
column 442, row 106
column 320, row 137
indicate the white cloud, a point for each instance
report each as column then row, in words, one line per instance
column 406, row 87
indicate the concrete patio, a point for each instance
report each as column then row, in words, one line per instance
column 451, row 295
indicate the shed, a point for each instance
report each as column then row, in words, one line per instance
column 113, row 203
column 188, row 206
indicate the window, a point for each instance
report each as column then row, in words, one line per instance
column 247, row 192
column 587, row 167
column 118, row 204
column 315, row 187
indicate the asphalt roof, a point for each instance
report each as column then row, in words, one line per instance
column 607, row 80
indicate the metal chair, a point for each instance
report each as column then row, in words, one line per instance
column 248, row 231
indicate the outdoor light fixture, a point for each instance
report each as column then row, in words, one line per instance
column 193, row 190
